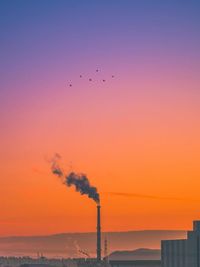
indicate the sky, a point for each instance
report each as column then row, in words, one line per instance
column 136, row 136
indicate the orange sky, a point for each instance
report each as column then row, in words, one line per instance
column 137, row 133
column 157, row 155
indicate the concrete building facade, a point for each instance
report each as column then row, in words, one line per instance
column 183, row 252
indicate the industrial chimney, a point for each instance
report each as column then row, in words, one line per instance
column 98, row 233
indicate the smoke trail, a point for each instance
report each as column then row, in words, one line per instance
column 55, row 166
column 142, row 196
column 78, row 180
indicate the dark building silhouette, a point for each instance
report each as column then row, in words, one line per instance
column 183, row 252
column 135, row 263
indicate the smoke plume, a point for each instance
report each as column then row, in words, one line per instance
column 55, row 166
column 78, row 180
column 82, row 185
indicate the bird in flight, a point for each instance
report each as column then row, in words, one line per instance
column 90, row 79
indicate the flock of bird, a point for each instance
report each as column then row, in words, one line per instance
column 90, row 79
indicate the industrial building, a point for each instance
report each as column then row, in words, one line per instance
column 184, row 252
column 135, row 263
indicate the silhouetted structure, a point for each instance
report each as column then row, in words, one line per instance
column 98, row 233
column 135, row 263
column 183, row 252
column 36, row 265
column 106, row 257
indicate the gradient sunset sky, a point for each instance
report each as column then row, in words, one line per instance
column 137, row 134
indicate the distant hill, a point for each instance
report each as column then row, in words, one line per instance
column 68, row 244
column 138, row 254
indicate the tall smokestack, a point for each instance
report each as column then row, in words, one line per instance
column 98, row 232
column 83, row 186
